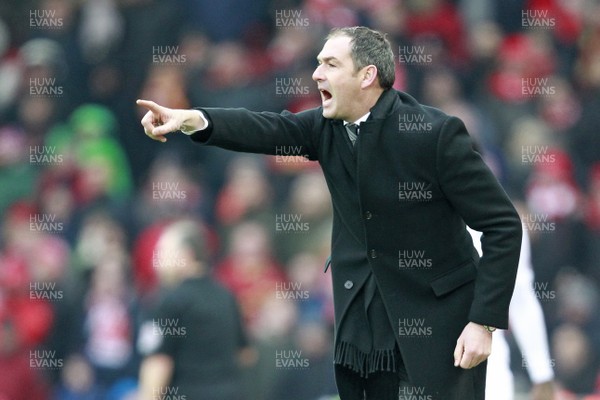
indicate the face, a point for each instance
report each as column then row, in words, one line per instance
column 337, row 80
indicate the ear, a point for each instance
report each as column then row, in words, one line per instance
column 369, row 76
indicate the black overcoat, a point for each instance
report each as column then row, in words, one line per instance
column 401, row 199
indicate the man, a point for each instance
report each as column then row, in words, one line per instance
column 194, row 343
column 414, row 306
column 529, row 330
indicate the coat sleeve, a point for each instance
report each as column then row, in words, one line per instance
column 242, row 130
column 475, row 193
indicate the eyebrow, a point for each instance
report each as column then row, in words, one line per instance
column 326, row 59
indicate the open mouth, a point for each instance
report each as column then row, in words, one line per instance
column 325, row 95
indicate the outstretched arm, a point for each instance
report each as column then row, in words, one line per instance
column 239, row 129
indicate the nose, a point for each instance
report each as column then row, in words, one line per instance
column 317, row 75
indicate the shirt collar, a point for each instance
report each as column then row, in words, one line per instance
column 358, row 121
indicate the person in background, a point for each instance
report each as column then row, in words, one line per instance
column 194, row 344
column 527, row 325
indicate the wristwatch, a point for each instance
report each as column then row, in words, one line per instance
column 488, row 328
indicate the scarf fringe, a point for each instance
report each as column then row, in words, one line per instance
column 349, row 356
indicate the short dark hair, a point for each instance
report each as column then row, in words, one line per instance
column 191, row 235
column 370, row 47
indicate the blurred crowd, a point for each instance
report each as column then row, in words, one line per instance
column 84, row 194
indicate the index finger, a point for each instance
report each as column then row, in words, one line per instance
column 150, row 105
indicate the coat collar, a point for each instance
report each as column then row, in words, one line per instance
column 385, row 105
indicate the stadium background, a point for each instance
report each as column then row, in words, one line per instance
column 84, row 193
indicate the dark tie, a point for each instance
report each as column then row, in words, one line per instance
column 352, row 130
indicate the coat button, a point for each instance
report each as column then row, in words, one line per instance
column 348, row 284
column 373, row 253
column 368, row 215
